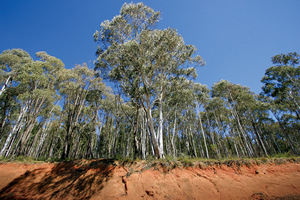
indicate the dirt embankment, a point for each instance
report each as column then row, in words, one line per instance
column 106, row 179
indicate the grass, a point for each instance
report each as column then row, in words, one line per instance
column 164, row 165
column 32, row 160
column 184, row 161
column 171, row 163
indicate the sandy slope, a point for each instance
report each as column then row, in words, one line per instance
column 105, row 179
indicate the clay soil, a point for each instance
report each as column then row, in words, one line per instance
column 108, row 179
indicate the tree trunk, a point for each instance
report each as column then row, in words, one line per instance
column 143, row 136
column 13, row 133
column 160, row 129
column 202, row 131
column 152, row 133
column 5, row 85
column 173, row 136
column 259, row 138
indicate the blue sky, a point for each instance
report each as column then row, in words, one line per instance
column 236, row 38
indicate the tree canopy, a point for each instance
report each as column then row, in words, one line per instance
column 156, row 109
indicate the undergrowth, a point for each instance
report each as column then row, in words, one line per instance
column 173, row 162
column 31, row 159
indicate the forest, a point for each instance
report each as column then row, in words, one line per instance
column 153, row 108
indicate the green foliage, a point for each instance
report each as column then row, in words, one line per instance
column 156, row 110
column 126, row 160
column 282, row 82
column 3, row 159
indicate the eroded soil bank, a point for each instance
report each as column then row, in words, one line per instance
column 107, row 179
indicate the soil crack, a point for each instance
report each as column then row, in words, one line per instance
column 124, row 181
column 205, row 177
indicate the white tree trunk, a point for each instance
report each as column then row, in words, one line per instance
column 5, row 85
column 143, row 135
column 236, row 117
column 160, row 130
column 153, row 134
column 202, row 131
column 16, row 128
column 44, row 134
column 237, row 152
column 173, row 136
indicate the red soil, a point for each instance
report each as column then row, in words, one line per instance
column 103, row 179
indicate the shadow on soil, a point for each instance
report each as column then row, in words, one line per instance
column 68, row 180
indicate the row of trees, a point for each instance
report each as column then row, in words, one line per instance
column 156, row 109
